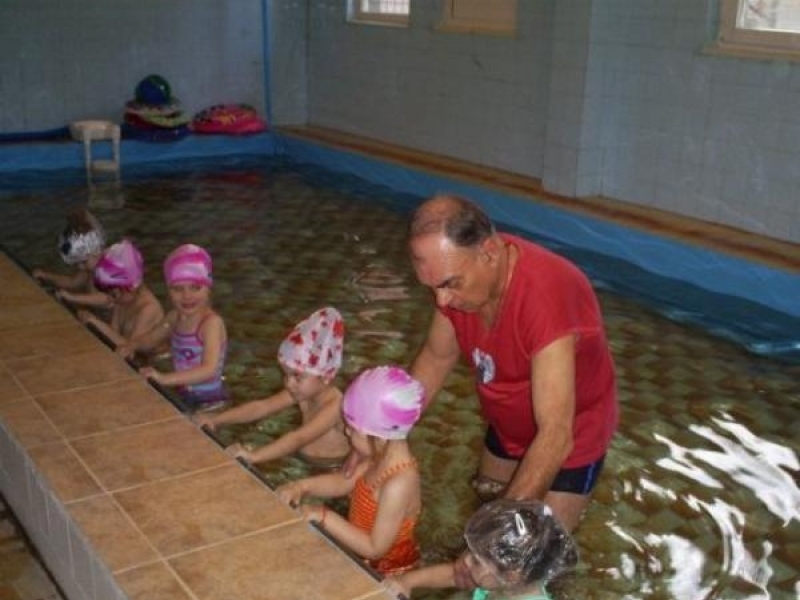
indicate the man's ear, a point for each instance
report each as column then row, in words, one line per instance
column 490, row 249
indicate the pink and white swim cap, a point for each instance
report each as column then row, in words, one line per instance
column 384, row 402
column 315, row 345
column 120, row 266
column 188, row 264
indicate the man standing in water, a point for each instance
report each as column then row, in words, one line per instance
column 529, row 325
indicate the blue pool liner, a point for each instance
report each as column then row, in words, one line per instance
column 753, row 304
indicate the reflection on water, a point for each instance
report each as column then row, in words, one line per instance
column 700, row 495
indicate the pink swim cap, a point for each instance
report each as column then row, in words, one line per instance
column 384, row 402
column 315, row 345
column 188, row 264
column 120, row 266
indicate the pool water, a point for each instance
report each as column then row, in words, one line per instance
column 700, row 495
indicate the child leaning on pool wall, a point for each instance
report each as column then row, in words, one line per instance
column 380, row 407
column 81, row 244
column 310, row 357
column 135, row 309
column 196, row 333
column 515, row 548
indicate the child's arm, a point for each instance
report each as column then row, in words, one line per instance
column 329, row 485
column 435, row 576
column 248, row 412
column 148, row 340
column 213, row 334
column 72, row 283
column 395, row 496
column 91, row 299
column 109, row 331
column 322, row 422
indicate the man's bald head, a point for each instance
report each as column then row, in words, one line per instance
column 463, row 222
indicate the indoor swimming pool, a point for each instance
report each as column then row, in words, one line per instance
column 700, row 497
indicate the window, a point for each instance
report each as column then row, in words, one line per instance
column 761, row 28
column 480, row 16
column 379, row 12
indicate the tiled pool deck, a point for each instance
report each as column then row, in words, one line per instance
column 121, row 494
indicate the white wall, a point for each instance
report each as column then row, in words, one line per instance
column 480, row 98
column 611, row 97
column 64, row 60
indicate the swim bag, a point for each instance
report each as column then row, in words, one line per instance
column 232, row 119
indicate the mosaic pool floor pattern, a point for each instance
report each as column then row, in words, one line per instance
column 700, row 495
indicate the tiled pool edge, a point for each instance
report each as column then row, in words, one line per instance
column 69, row 556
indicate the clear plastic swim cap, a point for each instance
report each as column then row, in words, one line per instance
column 521, row 539
column 384, row 402
column 82, row 238
column 315, row 345
column 188, row 264
column 121, row 266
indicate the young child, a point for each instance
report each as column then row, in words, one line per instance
column 136, row 310
column 81, row 244
column 197, row 335
column 310, row 357
column 515, row 548
column 379, row 407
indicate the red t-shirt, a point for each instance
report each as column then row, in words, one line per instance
column 547, row 298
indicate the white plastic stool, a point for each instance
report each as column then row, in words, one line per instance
column 89, row 131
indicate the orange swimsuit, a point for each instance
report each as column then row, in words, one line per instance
column 404, row 553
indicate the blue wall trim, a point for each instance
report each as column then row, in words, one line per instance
column 705, row 268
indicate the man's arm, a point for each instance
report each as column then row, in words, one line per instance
column 437, row 357
column 553, row 397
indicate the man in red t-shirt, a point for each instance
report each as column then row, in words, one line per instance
column 529, row 324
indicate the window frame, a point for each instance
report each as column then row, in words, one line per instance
column 751, row 43
column 355, row 14
column 451, row 22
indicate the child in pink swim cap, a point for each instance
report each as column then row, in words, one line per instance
column 380, row 407
column 188, row 264
column 197, row 335
column 80, row 245
column 310, row 357
column 136, row 310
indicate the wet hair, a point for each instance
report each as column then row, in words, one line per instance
column 463, row 222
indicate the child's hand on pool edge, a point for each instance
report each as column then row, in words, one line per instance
column 239, row 451
column 292, row 493
column 151, row 373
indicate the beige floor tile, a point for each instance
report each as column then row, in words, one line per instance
column 10, row 391
column 18, row 285
column 93, row 410
column 129, row 457
column 66, row 475
column 291, row 562
column 152, row 582
column 186, row 513
column 48, row 339
column 111, row 533
column 20, row 312
column 41, row 375
column 28, row 424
